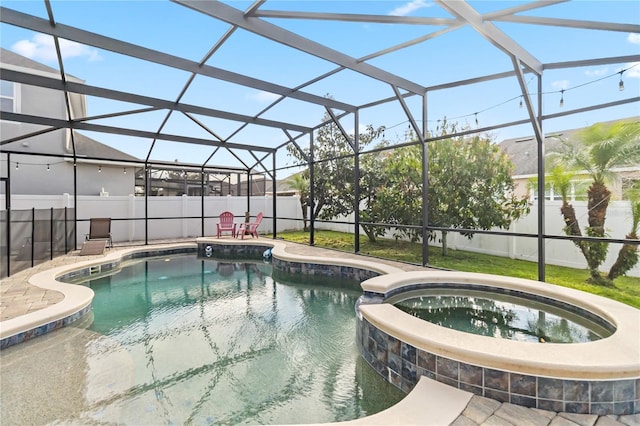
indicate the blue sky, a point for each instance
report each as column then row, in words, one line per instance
column 457, row 55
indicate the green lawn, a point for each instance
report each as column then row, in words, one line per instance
column 626, row 290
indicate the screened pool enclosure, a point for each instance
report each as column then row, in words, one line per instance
column 233, row 98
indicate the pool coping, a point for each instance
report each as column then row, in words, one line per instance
column 614, row 357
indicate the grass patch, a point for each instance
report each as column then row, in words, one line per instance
column 626, row 290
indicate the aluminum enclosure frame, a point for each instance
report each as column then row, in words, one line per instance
column 257, row 20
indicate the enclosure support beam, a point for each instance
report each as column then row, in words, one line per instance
column 147, row 177
column 356, row 183
column 312, row 192
column 425, row 184
column 407, row 111
column 536, row 123
column 7, row 203
column 202, row 201
column 274, row 195
column 75, row 204
column 541, row 199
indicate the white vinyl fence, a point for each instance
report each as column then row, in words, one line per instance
column 558, row 252
column 186, row 210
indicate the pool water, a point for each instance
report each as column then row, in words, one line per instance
column 499, row 315
column 182, row 340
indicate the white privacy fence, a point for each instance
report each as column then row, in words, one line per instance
column 557, row 252
column 169, row 217
column 187, row 223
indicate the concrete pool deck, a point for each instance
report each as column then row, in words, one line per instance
column 20, row 300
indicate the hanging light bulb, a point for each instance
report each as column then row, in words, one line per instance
column 561, row 98
column 124, row 170
column 17, row 165
column 476, row 114
column 521, row 102
column 100, row 169
column 48, row 168
column 621, row 84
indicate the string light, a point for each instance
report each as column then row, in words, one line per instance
column 100, row 169
column 621, row 84
column 17, row 165
column 521, row 103
column 476, row 114
column 124, row 170
column 48, row 168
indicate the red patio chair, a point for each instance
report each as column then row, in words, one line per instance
column 250, row 227
column 226, row 224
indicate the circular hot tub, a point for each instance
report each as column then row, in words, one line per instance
column 596, row 375
column 495, row 312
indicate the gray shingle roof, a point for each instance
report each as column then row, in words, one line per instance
column 85, row 146
column 524, row 151
column 12, row 58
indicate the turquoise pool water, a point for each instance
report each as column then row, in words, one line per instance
column 182, row 340
column 490, row 313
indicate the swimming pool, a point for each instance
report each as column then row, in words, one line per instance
column 231, row 343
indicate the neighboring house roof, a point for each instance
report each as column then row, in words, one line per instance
column 524, row 151
column 87, row 147
column 11, row 58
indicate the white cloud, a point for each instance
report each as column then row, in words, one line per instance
column 42, row 48
column 560, row 84
column 634, row 38
column 596, row 73
column 632, row 72
column 407, row 8
column 263, row 96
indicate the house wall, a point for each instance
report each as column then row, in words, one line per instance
column 521, row 184
column 39, row 102
column 32, row 178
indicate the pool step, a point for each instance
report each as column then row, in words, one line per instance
column 429, row 403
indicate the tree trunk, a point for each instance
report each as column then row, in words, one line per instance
column 627, row 258
column 572, row 227
column 597, row 205
column 599, row 197
column 444, row 243
column 304, row 216
column 370, row 233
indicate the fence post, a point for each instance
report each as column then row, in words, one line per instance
column 132, row 217
column 33, row 234
column 51, row 235
column 66, row 239
column 8, row 236
column 185, row 221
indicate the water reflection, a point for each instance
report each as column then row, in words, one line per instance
column 226, row 345
column 501, row 316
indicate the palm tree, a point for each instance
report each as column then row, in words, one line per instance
column 300, row 183
column 628, row 255
column 602, row 148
